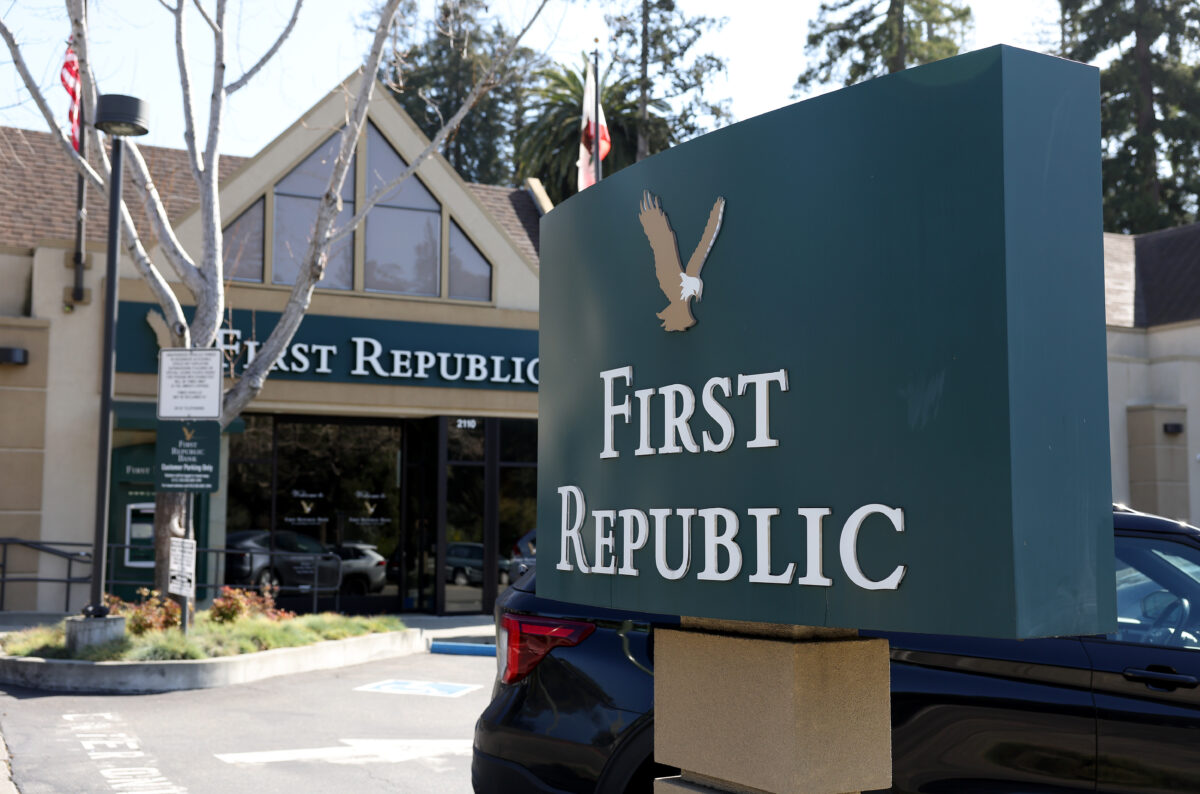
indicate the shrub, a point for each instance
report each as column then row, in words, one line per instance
column 235, row 603
column 153, row 613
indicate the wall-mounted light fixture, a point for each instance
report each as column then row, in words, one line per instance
column 14, row 355
column 1172, row 428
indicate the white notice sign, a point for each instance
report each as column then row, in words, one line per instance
column 182, row 580
column 189, row 383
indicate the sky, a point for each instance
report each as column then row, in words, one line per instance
column 133, row 53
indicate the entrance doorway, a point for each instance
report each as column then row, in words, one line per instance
column 423, row 513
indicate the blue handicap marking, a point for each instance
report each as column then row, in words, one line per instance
column 438, row 689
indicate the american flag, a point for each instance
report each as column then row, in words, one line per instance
column 70, row 81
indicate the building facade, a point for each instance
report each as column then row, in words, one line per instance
column 402, row 416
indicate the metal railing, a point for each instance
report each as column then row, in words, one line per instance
column 63, row 550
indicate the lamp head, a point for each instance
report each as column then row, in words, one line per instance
column 117, row 114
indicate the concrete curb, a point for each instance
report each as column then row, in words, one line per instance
column 61, row 675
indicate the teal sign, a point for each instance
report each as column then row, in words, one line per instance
column 841, row 365
column 357, row 350
column 187, row 456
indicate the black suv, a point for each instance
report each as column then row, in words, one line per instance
column 572, row 709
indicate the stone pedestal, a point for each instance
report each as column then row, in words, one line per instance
column 83, row 631
column 771, row 709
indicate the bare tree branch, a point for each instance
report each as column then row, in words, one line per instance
column 250, row 384
column 185, row 81
column 253, row 70
column 207, row 18
column 481, row 86
column 157, row 212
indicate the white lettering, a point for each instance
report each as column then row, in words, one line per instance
column 517, row 371
column 533, row 370
column 572, row 495
column 848, row 547
column 762, row 405
column 458, row 361
column 476, row 367
column 605, row 522
column 425, row 361
column 676, row 418
column 813, row 517
column 300, row 357
column 631, row 543
column 497, row 363
column 718, row 413
column 613, row 409
column 402, row 364
column 644, row 446
column 362, row 358
column 660, row 542
column 762, row 519
column 714, row 540
column 323, row 352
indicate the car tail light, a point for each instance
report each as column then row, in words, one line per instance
column 380, row 562
column 525, row 641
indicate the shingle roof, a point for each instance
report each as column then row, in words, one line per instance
column 37, row 189
column 37, row 194
column 1168, row 276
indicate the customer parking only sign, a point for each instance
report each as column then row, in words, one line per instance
column 841, row 365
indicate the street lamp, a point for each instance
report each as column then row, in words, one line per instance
column 116, row 116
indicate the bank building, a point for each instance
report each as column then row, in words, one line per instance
column 402, row 417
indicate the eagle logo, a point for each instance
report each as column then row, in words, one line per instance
column 188, row 433
column 678, row 283
column 307, row 506
column 370, row 507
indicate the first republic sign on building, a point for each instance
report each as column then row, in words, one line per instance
column 841, row 365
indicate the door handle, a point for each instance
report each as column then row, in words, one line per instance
column 1165, row 678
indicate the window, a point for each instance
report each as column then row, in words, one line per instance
column 242, row 252
column 409, row 244
column 470, row 273
column 403, row 246
column 1158, row 593
column 297, row 198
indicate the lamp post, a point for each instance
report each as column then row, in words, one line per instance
column 117, row 116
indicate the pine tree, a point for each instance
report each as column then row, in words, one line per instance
column 1150, row 106
column 654, row 45
column 856, row 40
column 431, row 77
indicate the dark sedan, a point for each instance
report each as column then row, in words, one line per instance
column 289, row 566
column 572, row 709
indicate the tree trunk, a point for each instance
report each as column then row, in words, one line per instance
column 643, row 139
column 898, row 60
column 170, row 517
column 1147, row 149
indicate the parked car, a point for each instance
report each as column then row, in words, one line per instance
column 249, row 561
column 464, row 564
column 572, row 707
column 364, row 569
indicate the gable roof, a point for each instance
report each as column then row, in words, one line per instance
column 37, row 194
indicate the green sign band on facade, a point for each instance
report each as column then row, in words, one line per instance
column 876, row 396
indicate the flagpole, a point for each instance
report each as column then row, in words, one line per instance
column 80, row 209
column 596, row 112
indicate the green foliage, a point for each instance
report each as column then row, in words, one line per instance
column 154, row 612
column 674, row 73
column 235, row 603
column 208, row 637
column 549, row 146
column 431, row 79
column 855, row 40
column 1150, row 106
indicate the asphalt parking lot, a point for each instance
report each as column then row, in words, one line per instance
column 399, row 725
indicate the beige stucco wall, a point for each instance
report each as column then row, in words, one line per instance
column 1155, row 367
column 16, row 267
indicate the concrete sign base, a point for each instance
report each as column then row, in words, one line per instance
column 83, row 632
column 771, row 709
